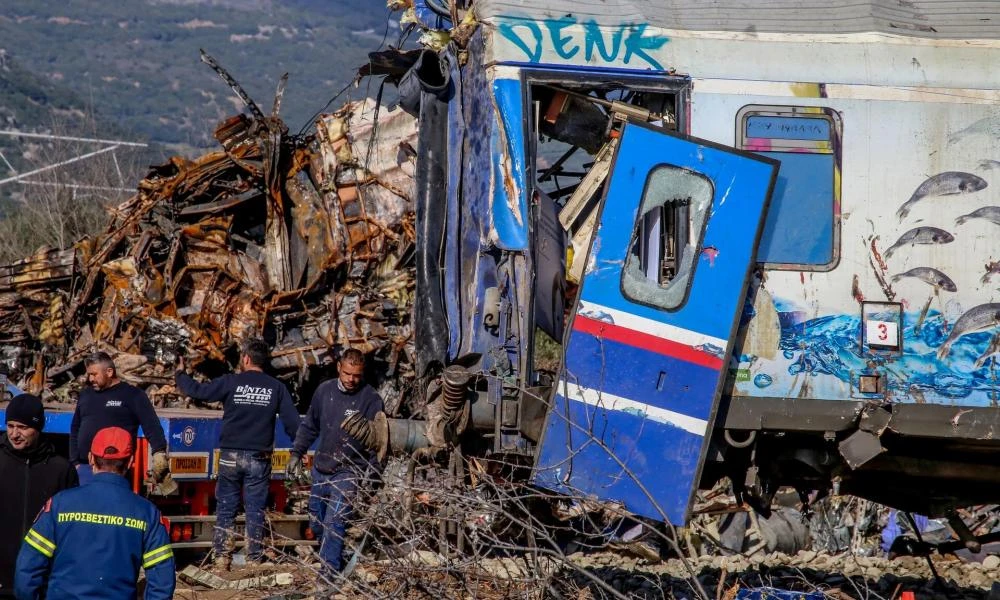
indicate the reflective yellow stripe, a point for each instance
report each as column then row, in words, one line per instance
column 41, row 539
column 159, row 559
column 148, row 555
column 156, row 556
column 36, row 546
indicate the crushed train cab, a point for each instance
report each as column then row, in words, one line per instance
column 755, row 242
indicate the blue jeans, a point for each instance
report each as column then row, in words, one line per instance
column 329, row 508
column 248, row 471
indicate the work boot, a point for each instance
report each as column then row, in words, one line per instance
column 222, row 562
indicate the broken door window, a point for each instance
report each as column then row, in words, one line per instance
column 572, row 142
column 666, row 237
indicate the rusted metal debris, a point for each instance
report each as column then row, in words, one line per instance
column 305, row 240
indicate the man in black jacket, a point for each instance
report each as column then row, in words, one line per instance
column 110, row 402
column 252, row 401
column 340, row 460
column 31, row 473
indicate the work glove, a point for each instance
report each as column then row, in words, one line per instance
column 159, row 480
column 294, row 470
column 372, row 435
column 160, row 466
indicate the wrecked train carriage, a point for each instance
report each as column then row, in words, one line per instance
column 823, row 333
column 209, row 252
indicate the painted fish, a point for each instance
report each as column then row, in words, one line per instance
column 932, row 277
column 991, row 350
column 989, row 126
column 980, row 318
column 988, row 213
column 948, row 183
column 992, row 268
column 988, row 164
column 921, row 235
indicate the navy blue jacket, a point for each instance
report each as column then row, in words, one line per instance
column 121, row 405
column 90, row 542
column 251, row 399
column 330, row 406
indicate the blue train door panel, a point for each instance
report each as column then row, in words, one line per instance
column 647, row 347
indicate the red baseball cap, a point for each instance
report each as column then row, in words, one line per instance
column 112, row 442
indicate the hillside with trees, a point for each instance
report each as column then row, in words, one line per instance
column 136, row 64
column 132, row 71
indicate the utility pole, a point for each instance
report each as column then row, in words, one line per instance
column 104, row 146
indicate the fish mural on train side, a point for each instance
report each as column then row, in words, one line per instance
column 920, row 235
column 949, row 183
column 930, row 276
column 943, row 361
column 987, row 213
column 951, row 355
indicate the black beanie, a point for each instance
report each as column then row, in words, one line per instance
column 27, row 409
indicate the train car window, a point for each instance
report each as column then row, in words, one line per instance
column 802, row 228
column 666, row 238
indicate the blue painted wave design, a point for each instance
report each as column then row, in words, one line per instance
column 830, row 345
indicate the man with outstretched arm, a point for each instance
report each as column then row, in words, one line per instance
column 339, row 460
column 90, row 542
column 110, row 402
column 251, row 400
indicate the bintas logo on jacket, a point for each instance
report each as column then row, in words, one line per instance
column 114, row 403
column 253, row 395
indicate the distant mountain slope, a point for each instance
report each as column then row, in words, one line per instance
column 26, row 98
column 32, row 104
column 137, row 62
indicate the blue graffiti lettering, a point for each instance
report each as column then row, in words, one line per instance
column 507, row 29
column 637, row 44
column 595, row 37
column 559, row 42
column 566, row 42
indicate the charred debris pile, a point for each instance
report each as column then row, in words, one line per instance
column 304, row 239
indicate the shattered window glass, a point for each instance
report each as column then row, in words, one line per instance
column 666, row 237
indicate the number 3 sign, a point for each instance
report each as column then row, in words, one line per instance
column 881, row 323
column 882, row 333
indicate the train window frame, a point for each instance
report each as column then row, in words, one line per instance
column 790, row 144
column 663, row 298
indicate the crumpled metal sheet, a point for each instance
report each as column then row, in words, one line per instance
column 304, row 240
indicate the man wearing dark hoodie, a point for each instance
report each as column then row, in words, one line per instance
column 252, row 401
column 32, row 473
column 340, row 460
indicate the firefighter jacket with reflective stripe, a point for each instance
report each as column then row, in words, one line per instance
column 90, row 542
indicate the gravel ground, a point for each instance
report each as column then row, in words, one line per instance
column 428, row 576
column 840, row 576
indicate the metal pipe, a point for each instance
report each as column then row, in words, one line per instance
column 407, row 435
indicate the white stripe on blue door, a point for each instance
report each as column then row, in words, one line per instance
column 599, row 399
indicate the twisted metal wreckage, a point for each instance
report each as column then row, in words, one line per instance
column 304, row 238
column 313, row 241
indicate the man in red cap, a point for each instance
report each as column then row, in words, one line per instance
column 90, row 542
